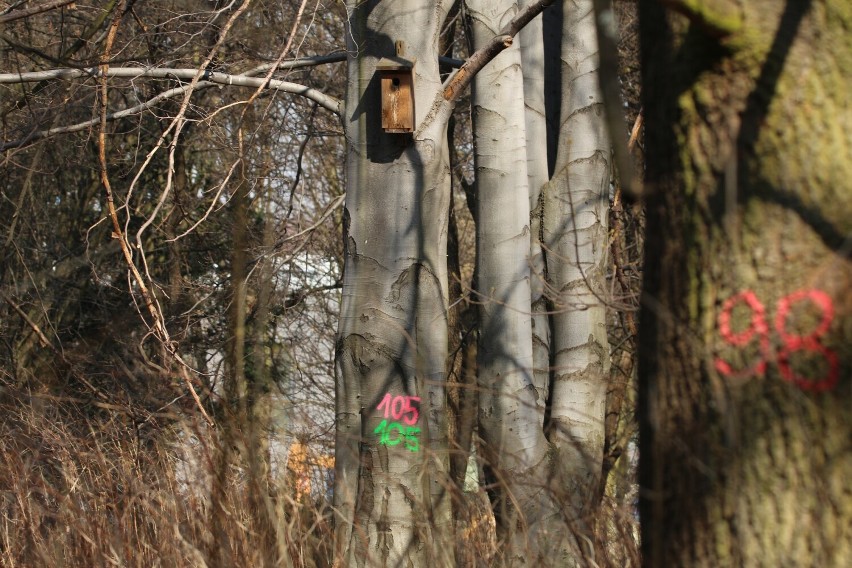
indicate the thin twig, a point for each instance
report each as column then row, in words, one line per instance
column 12, row 16
column 158, row 325
column 45, row 342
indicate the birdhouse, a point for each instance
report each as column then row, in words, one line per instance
column 396, row 75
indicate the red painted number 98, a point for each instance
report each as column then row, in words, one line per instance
column 790, row 342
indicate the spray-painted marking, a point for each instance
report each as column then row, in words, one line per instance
column 401, row 407
column 407, row 433
column 790, row 342
column 392, row 433
column 757, row 325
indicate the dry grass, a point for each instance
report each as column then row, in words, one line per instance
column 95, row 482
column 96, row 489
column 78, row 490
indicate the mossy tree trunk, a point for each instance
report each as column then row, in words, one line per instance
column 745, row 357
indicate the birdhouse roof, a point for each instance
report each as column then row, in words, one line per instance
column 395, row 64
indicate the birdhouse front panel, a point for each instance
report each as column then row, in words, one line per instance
column 396, row 75
column 397, row 102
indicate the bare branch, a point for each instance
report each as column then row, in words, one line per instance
column 158, row 325
column 305, row 62
column 450, row 62
column 209, row 79
column 329, row 210
column 327, row 102
column 45, row 342
column 340, row 57
column 12, row 16
column 459, row 82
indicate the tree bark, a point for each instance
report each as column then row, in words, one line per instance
column 745, row 329
column 391, row 503
column 514, row 444
column 576, row 203
column 542, row 474
column 535, row 122
column 391, row 494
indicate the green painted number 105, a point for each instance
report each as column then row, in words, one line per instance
column 394, row 433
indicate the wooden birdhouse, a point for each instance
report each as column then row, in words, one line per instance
column 396, row 75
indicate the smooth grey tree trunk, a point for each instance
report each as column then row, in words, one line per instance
column 533, row 67
column 509, row 419
column 391, row 500
column 545, row 479
column 576, row 203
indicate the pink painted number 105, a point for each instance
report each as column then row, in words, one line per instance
column 400, row 407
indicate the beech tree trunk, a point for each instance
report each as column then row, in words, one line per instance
column 575, row 226
column 544, row 475
column 535, row 122
column 514, row 444
column 391, row 467
column 746, row 327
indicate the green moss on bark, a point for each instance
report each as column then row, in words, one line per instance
column 747, row 468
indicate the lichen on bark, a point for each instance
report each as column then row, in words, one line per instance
column 746, row 303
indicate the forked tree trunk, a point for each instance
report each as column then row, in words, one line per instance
column 745, row 359
column 391, row 462
column 544, row 474
column 514, row 444
column 390, row 487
